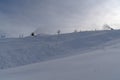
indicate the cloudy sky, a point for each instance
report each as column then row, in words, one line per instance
column 47, row 16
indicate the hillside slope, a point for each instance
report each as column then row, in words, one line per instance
column 21, row 51
column 95, row 65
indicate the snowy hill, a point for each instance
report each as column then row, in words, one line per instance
column 100, row 64
column 22, row 51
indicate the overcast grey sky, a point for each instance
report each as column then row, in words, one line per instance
column 24, row 16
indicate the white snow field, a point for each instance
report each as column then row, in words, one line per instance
column 101, row 64
column 22, row 51
column 92, row 55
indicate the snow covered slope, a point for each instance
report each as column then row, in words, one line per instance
column 101, row 64
column 21, row 51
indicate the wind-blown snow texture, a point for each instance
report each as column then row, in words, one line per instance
column 22, row 51
column 101, row 64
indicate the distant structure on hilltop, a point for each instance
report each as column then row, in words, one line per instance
column 107, row 27
column 32, row 34
column 2, row 35
column 39, row 32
